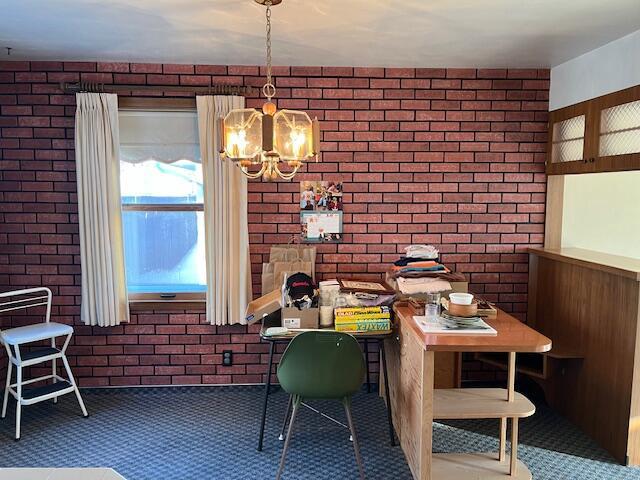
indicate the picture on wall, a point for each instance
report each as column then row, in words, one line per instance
column 320, row 211
column 321, row 196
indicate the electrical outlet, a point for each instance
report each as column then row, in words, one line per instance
column 227, row 358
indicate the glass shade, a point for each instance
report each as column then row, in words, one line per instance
column 293, row 135
column 243, row 133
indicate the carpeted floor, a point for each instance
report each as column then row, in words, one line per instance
column 205, row 433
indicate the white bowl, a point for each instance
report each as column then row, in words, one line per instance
column 461, row 298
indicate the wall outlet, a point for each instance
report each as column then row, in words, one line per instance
column 227, row 358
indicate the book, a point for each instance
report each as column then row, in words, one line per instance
column 376, row 326
column 478, row 327
column 362, row 316
column 360, row 310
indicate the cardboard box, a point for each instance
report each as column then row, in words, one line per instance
column 263, row 307
column 307, row 318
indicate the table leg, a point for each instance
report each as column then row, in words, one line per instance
column 513, row 466
column 503, row 440
column 267, row 387
column 366, row 357
column 386, row 392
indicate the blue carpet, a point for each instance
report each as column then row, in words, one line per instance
column 211, row 433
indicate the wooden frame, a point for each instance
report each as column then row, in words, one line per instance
column 146, row 301
column 592, row 162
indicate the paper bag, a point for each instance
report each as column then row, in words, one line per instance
column 292, row 253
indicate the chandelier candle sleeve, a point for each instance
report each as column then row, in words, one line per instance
column 268, row 137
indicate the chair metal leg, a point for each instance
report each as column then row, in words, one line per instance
column 75, row 387
column 296, row 405
column 19, row 401
column 54, row 369
column 347, row 408
column 286, row 418
column 6, row 389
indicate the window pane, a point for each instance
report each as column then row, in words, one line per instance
column 568, row 151
column 164, row 251
column 154, row 182
column 620, row 129
column 568, row 140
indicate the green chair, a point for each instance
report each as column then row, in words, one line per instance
column 322, row 365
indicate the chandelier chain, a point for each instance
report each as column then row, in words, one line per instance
column 269, row 89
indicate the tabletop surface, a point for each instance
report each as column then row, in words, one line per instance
column 513, row 336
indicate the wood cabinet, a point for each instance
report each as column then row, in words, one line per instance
column 588, row 303
column 415, row 402
column 598, row 135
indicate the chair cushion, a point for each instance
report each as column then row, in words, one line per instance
column 33, row 333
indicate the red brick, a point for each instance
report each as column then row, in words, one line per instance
column 454, row 157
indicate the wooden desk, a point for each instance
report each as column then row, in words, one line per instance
column 416, row 403
column 365, row 337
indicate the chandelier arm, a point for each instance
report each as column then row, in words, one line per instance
column 286, row 176
column 253, row 176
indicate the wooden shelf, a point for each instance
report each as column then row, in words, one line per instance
column 474, row 466
column 478, row 403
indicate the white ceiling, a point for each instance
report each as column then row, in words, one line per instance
column 417, row 33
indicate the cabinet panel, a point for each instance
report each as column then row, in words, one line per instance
column 568, row 140
column 598, row 135
column 620, row 129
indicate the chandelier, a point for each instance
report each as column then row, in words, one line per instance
column 269, row 138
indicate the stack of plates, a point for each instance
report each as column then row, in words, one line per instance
column 463, row 322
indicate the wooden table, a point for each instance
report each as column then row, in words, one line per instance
column 365, row 337
column 416, row 404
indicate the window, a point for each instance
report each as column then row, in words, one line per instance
column 162, row 202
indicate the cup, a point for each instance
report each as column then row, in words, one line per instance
column 432, row 307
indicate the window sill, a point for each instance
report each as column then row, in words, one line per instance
column 147, row 302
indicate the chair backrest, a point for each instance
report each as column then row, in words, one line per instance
column 322, row 365
column 25, row 299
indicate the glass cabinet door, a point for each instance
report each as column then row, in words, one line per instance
column 567, row 144
column 620, row 129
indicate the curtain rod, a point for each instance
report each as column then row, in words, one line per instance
column 78, row 87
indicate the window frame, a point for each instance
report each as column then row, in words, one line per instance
column 592, row 162
column 179, row 300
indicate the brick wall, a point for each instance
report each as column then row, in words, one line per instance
column 453, row 157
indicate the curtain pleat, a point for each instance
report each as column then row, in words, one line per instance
column 226, row 222
column 104, row 286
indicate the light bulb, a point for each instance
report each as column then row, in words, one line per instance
column 297, row 138
column 238, row 143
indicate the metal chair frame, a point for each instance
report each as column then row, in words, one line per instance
column 34, row 297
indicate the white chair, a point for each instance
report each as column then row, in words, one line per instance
column 14, row 338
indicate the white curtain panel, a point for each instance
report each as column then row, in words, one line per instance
column 225, row 211
column 104, row 286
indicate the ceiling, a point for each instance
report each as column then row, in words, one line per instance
column 416, row 33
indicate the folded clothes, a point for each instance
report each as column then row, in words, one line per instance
column 412, row 286
column 423, row 266
column 421, row 251
column 404, row 261
column 442, row 275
